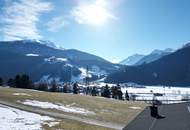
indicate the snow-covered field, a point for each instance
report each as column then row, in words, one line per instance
column 15, row 119
column 66, row 108
column 170, row 94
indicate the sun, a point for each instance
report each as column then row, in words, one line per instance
column 93, row 13
column 96, row 15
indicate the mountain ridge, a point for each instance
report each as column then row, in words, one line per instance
column 171, row 70
column 45, row 60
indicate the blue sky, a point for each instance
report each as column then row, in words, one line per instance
column 112, row 29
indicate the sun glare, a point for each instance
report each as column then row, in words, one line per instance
column 94, row 13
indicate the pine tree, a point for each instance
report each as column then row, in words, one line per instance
column 25, row 82
column 114, row 92
column 65, row 88
column 17, row 81
column 75, row 88
column 22, row 81
column 11, row 82
column 42, row 87
column 94, row 91
column 127, row 96
column 54, row 87
column 106, row 92
column 1, row 81
column 120, row 94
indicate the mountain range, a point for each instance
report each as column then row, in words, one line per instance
column 172, row 69
column 42, row 60
column 132, row 60
column 139, row 59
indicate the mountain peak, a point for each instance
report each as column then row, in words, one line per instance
column 159, row 52
column 43, row 42
column 186, row 45
column 131, row 60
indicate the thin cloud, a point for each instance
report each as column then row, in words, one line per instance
column 56, row 24
column 20, row 19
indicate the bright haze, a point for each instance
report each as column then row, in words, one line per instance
column 112, row 29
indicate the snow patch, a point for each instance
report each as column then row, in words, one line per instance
column 66, row 108
column 54, row 59
column 51, row 124
column 15, row 119
column 21, row 94
column 83, row 73
column 135, row 108
column 68, row 65
column 61, row 59
column 32, row 55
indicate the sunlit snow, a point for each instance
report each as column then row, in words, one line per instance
column 32, row 55
column 14, row 119
column 66, row 108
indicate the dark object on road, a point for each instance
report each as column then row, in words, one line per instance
column 160, row 117
column 154, row 111
column 156, row 103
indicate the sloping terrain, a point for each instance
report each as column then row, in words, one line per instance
column 39, row 60
column 99, row 111
column 171, row 70
column 153, row 56
column 132, row 60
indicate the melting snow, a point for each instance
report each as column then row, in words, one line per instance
column 51, row 124
column 136, row 108
column 66, row 108
column 21, row 94
column 14, row 119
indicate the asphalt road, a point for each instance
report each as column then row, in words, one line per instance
column 177, row 117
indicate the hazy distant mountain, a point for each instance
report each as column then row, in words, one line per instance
column 42, row 60
column 132, row 60
column 172, row 69
column 154, row 55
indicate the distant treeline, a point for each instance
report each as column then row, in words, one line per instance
column 24, row 81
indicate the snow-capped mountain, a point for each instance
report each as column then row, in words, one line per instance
column 39, row 59
column 172, row 69
column 132, row 60
column 154, row 55
column 44, row 42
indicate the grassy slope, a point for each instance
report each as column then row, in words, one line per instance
column 106, row 109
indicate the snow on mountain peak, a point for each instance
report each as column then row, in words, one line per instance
column 159, row 52
column 131, row 60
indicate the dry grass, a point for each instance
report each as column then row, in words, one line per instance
column 107, row 110
column 73, row 125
